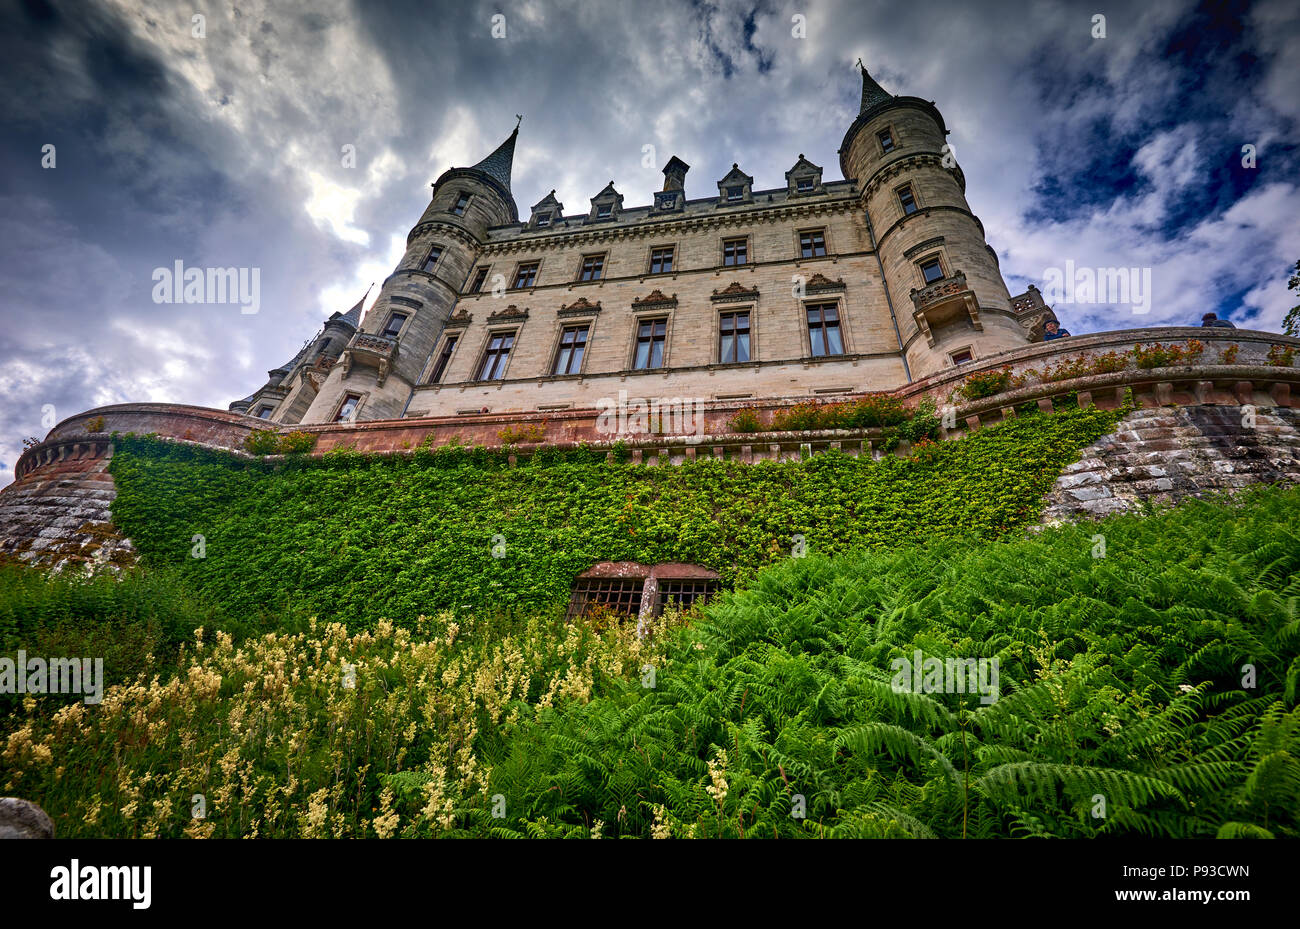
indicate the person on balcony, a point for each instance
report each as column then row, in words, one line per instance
column 1052, row 330
column 1211, row 320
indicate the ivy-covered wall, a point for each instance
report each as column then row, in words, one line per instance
column 359, row 537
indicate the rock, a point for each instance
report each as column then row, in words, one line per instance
column 22, row 819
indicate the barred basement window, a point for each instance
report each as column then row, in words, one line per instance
column 685, row 593
column 617, row 594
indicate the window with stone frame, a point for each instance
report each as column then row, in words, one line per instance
column 480, row 278
column 805, row 185
column 264, row 411
column 394, row 325
column 735, row 252
column 886, row 137
column 495, row 356
column 593, row 266
column 735, row 194
column 568, row 356
column 526, row 274
column 733, row 336
column 931, row 269
column 661, row 259
column 431, row 259
column 651, row 334
column 962, row 356
column 824, row 336
column 812, row 243
column 543, row 219
column 907, row 199
column 462, row 201
column 444, row 358
column 348, row 408
column 604, row 210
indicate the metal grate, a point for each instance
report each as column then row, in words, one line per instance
column 686, row 593
column 622, row 595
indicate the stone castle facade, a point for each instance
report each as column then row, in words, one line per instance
column 815, row 288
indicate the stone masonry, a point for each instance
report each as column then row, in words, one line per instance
column 1166, row 454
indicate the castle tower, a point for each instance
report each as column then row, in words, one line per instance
column 383, row 361
column 951, row 302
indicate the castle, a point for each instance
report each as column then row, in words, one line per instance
column 816, row 288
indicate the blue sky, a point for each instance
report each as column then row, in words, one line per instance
column 225, row 151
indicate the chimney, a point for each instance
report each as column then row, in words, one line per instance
column 675, row 174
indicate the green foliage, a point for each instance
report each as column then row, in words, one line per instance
column 364, row 536
column 270, row 442
column 1157, row 355
column 513, row 435
column 986, row 383
column 1121, row 678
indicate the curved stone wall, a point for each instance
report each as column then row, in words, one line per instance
column 1196, row 415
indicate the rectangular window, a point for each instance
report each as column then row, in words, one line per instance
column 824, row 330
column 495, row 356
column 661, row 260
column 480, row 278
column 543, row 219
column 804, row 185
column 526, row 275
column 394, row 325
column 907, row 200
column 683, row 594
column 263, row 412
column 812, row 244
column 735, row 193
column 462, row 201
column 886, row 140
column 962, row 357
column 618, row 595
column 734, row 251
column 733, row 337
column 444, row 359
column 432, row 259
column 347, row 409
column 573, row 342
column 650, row 336
column 604, row 210
column 931, row 270
column 592, row 266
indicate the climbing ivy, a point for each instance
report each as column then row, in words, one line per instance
column 359, row 537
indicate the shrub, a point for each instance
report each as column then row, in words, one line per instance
column 1229, row 355
column 1157, row 355
column 745, row 420
column 876, row 410
column 95, row 425
column 1281, row 357
column 262, row 442
column 986, row 384
column 515, row 435
column 297, row 442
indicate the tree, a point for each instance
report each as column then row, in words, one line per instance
column 1291, row 323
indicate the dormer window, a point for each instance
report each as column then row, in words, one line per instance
column 735, row 193
column 804, row 177
column 805, row 185
column 604, row 210
column 543, row 219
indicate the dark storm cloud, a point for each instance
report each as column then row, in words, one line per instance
column 225, row 150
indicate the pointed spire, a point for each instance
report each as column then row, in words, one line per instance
column 872, row 93
column 497, row 165
column 353, row 316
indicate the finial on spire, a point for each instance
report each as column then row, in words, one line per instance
column 518, row 119
column 861, row 65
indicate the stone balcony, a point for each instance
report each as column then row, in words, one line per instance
column 376, row 351
column 943, row 302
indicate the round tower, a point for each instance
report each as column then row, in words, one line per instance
column 382, row 362
column 949, row 296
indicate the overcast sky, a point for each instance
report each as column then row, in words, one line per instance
column 226, row 150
